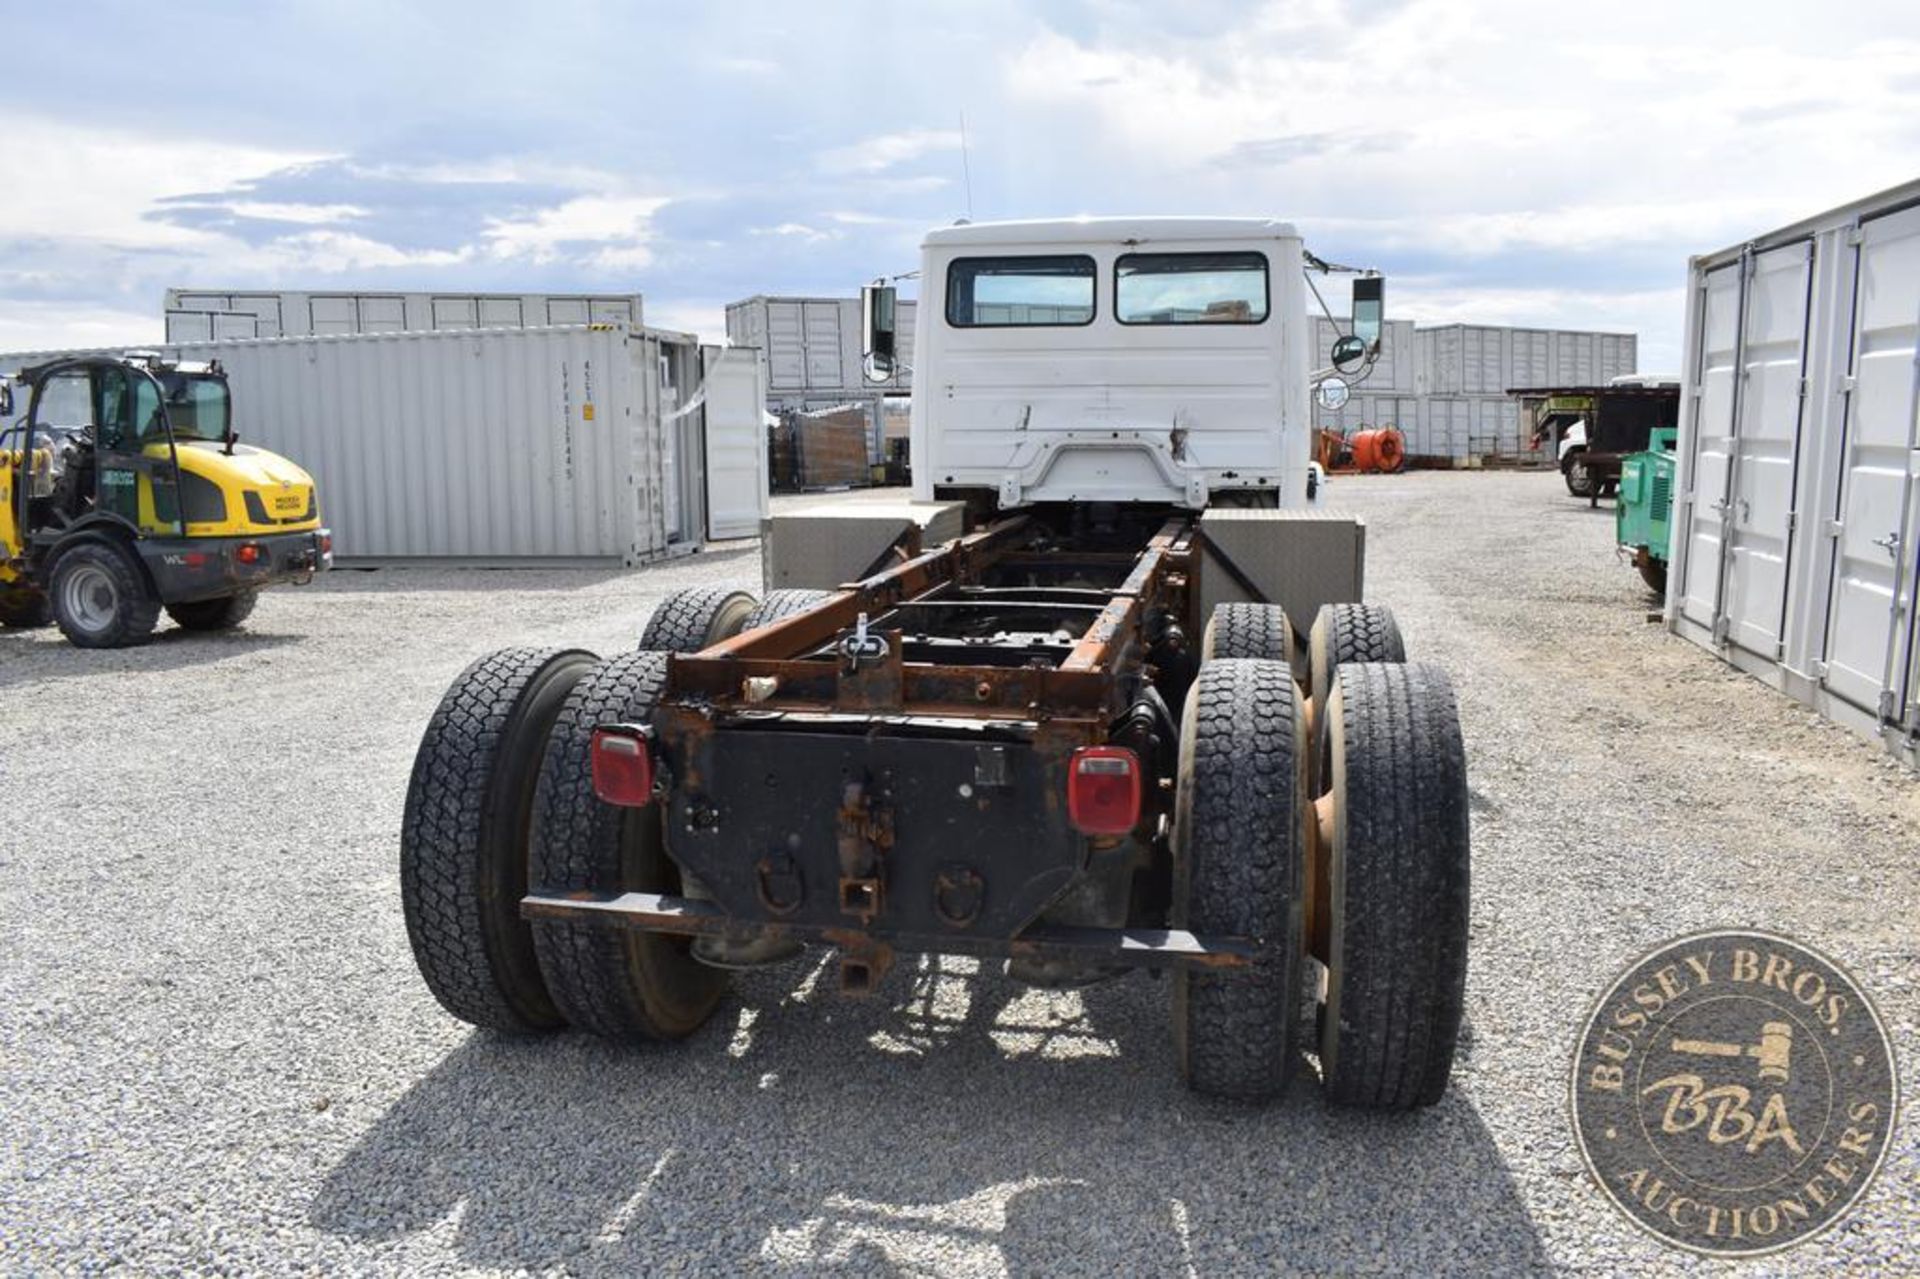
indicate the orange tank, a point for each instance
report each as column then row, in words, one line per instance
column 1384, row 450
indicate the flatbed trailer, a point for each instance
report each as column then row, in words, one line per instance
column 1080, row 737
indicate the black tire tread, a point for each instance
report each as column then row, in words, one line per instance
column 614, row 982
column 222, row 614
column 450, row 825
column 1240, row 871
column 784, row 603
column 139, row 610
column 684, row 622
column 1248, row 630
column 1401, row 893
column 1345, row 633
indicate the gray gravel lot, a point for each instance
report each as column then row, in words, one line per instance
column 215, row 1052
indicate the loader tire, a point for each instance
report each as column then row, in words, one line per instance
column 694, row 618
column 1398, row 873
column 616, row 982
column 1349, row 633
column 1248, row 630
column 221, row 614
column 25, row 611
column 1239, row 871
column 463, row 839
column 784, row 603
column 101, row 598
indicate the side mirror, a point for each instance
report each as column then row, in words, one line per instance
column 6, row 399
column 876, row 330
column 1332, row 393
column 1369, row 309
column 1348, row 351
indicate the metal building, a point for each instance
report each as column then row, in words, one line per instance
column 202, row 315
column 577, row 445
column 1796, row 528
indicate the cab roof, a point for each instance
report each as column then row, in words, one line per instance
column 1111, row 231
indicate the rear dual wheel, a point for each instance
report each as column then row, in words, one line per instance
column 1385, row 862
column 502, row 798
column 696, row 617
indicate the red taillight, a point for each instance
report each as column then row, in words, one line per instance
column 326, row 543
column 248, row 553
column 1103, row 790
column 622, row 767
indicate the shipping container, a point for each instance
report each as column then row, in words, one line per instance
column 584, row 445
column 194, row 315
column 812, row 349
column 1796, row 531
column 1482, row 359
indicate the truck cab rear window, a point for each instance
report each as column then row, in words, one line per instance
column 1190, row 288
column 1019, row 291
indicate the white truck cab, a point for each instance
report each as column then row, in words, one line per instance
column 1113, row 359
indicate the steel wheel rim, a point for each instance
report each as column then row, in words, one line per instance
column 89, row 598
column 1579, row 472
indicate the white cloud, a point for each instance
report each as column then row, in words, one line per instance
column 793, row 231
column 587, row 219
column 26, row 327
column 75, row 183
column 878, row 154
column 311, row 214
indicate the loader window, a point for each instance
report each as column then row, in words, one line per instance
column 1190, row 288
column 198, row 406
column 1014, row 292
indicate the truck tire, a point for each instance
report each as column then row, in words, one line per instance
column 1248, row 630
column 1349, row 633
column 101, row 598
column 1398, row 887
column 25, row 610
column 1579, row 478
column 1239, row 868
column 463, row 838
column 616, row 982
column 695, row 617
column 221, row 614
column 782, row 604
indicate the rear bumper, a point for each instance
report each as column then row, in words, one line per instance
column 209, row 567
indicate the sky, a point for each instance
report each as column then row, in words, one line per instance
column 1506, row 163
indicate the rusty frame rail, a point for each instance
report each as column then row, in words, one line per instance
column 1128, row 947
column 768, row 670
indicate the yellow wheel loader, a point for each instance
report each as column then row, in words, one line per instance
column 124, row 491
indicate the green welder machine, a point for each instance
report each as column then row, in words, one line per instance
column 1643, row 512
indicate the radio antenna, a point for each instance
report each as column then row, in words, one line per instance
column 966, row 165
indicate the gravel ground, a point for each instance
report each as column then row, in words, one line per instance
column 215, row 1052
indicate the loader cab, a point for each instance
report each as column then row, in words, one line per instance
column 102, row 433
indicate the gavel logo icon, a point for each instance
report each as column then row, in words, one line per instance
column 1773, row 1052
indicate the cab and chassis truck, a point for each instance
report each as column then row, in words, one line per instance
column 1081, row 737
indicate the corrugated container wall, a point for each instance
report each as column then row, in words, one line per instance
column 200, row 315
column 1796, row 530
column 562, row 445
column 1479, row 359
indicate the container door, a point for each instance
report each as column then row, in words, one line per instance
column 225, row 327
column 1766, row 449
column 1711, row 434
column 566, row 311
column 1876, row 524
column 383, row 314
column 453, row 313
column 821, row 334
column 500, row 313
column 736, row 442
column 332, row 315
